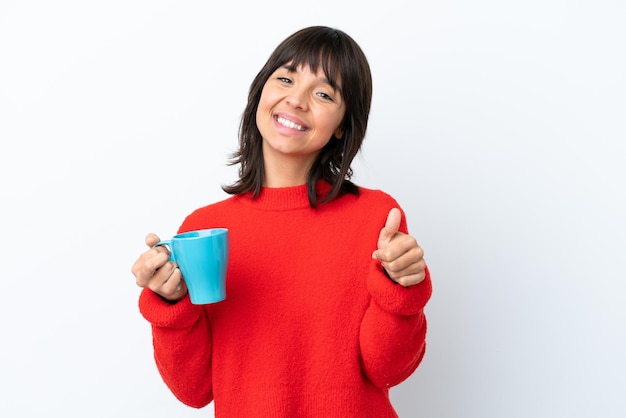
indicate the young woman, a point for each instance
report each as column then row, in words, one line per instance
column 325, row 288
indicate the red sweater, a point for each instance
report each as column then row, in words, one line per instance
column 311, row 326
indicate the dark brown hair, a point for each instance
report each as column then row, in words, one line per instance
column 341, row 59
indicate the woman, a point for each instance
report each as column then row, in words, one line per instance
column 325, row 288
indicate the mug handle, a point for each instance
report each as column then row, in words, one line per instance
column 168, row 244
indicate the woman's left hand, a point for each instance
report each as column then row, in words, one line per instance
column 400, row 255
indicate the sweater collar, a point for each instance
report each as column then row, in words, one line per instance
column 284, row 198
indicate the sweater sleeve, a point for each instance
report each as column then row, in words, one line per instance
column 182, row 347
column 393, row 330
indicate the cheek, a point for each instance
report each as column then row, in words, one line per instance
column 337, row 119
column 268, row 95
column 265, row 106
column 263, row 114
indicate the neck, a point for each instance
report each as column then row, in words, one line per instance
column 286, row 172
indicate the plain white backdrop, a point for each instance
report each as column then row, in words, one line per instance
column 498, row 126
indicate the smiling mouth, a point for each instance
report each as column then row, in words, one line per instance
column 289, row 124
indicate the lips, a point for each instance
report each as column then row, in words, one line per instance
column 289, row 124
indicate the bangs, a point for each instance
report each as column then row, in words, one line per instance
column 315, row 49
column 316, row 57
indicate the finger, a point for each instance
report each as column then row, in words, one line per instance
column 402, row 244
column 150, row 264
column 410, row 280
column 407, row 263
column 166, row 280
column 409, row 275
column 174, row 288
column 391, row 227
column 152, row 239
column 161, row 275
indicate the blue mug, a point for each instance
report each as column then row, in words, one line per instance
column 202, row 257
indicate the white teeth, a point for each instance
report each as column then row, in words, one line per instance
column 289, row 124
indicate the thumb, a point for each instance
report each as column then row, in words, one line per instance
column 390, row 229
column 152, row 239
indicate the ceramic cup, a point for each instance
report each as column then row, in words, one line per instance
column 202, row 257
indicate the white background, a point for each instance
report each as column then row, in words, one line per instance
column 498, row 125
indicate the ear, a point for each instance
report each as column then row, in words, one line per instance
column 338, row 133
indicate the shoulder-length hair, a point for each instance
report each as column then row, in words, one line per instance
column 347, row 69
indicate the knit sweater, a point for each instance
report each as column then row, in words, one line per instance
column 311, row 325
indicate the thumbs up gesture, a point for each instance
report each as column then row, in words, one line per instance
column 401, row 257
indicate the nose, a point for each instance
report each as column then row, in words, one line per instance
column 297, row 98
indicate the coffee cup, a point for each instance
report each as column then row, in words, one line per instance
column 202, row 257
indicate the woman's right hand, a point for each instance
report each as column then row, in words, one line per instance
column 154, row 271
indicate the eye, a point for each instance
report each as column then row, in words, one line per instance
column 326, row 96
column 285, row 80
